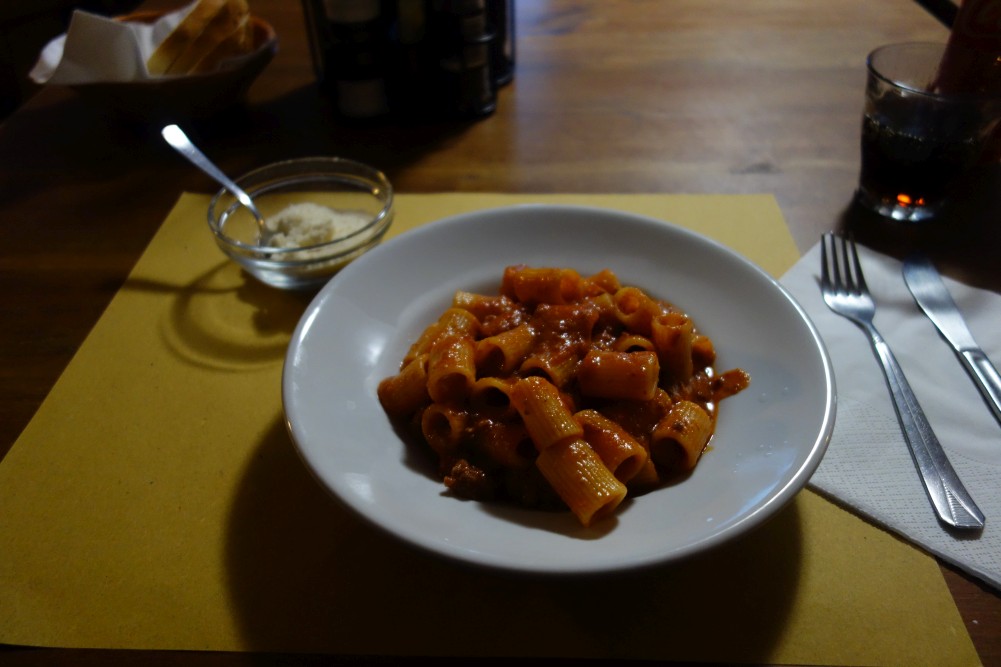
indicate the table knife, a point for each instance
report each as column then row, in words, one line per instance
column 931, row 294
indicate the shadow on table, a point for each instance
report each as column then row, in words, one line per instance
column 964, row 240
column 105, row 158
column 303, row 123
column 307, row 575
column 225, row 319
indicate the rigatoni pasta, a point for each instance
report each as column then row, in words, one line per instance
column 562, row 390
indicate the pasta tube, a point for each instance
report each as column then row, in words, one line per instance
column 491, row 397
column 579, row 477
column 672, row 335
column 443, row 428
column 496, row 314
column 636, row 310
column 703, row 351
column 406, row 392
column 451, row 369
column 630, row 342
column 619, row 375
column 680, row 438
column 605, row 281
column 453, row 322
column 544, row 285
column 648, row 477
column 546, row 417
column 618, row 450
column 502, row 353
column 557, row 366
column 507, row 444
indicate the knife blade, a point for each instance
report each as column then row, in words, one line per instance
column 932, row 296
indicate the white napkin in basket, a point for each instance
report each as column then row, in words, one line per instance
column 867, row 466
column 100, row 49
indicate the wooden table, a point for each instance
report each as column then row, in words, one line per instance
column 629, row 96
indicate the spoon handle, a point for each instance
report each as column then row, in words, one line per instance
column 176, row 137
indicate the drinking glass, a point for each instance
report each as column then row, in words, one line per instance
column 918, row 142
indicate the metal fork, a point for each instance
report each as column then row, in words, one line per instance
column 846, row 293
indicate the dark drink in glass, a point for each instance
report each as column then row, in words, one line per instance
column 908, row 175
column 918, row 143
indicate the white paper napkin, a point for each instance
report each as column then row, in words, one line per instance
column 100, row 49
column 867, row 466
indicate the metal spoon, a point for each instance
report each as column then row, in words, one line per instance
column 176, row 137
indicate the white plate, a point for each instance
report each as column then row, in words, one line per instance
column 769, row 439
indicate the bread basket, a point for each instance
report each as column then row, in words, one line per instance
column 189, row 96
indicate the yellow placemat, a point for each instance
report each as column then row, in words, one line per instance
column 155, row 501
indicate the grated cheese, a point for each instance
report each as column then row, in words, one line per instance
column 307, row 224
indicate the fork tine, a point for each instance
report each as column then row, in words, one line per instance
column 859, row 276
column 837, row 262
column 825, row 277
column 841, row 257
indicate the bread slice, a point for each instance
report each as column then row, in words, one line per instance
column 186, row 31
column 237, row 43
column 200, row 32
column 229, row 20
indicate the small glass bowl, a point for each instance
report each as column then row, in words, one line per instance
column 340, row 184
